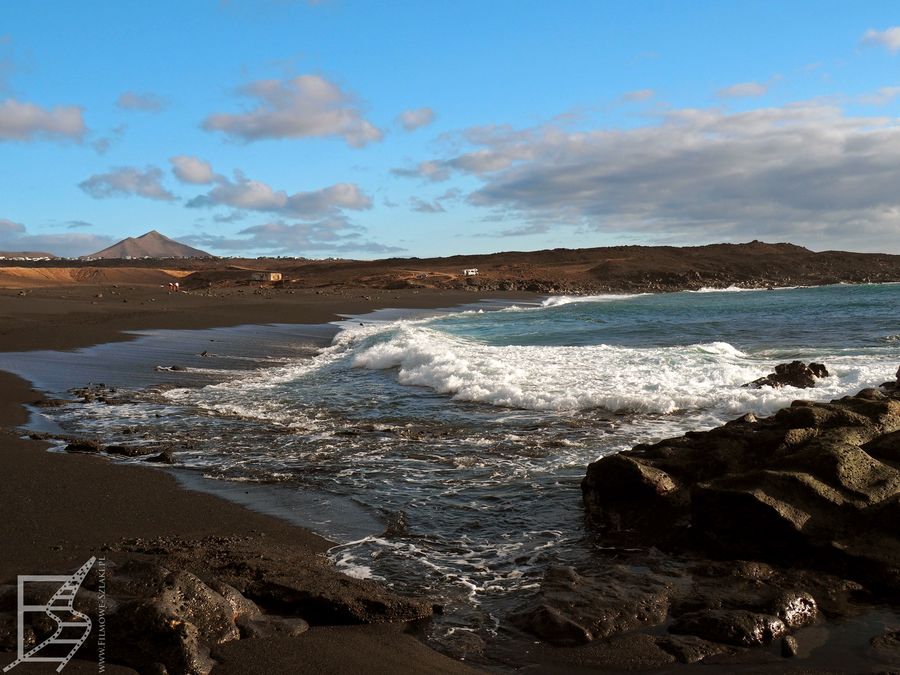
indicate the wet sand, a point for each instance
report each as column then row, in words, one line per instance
column 59, row 509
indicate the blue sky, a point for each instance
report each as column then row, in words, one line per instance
column 364, row 129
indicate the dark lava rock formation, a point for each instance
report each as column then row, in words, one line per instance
column 793, row 374
column 715, row 543
column 169, row 604
column 814, row 483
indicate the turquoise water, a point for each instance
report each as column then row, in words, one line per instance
column 465, row 435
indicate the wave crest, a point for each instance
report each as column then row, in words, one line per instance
column 657, row 380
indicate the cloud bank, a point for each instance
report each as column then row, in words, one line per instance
column 14, row 237
column 331, row 236
column 804, row 172
column 245, row 193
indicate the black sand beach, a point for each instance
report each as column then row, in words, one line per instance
column 63, row 508
column 66, row 507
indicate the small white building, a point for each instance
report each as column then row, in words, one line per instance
column 470, row 272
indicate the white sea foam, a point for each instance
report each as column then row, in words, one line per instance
column 658, row 380
column 558, row 300
column 741, row 289
column 655, row 380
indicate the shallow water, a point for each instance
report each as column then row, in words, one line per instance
column 447, row 449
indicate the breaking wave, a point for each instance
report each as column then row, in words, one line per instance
column 619, row 379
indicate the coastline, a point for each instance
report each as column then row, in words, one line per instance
column 72, row 506
column 157, row 510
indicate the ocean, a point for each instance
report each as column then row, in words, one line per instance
column 443, row 451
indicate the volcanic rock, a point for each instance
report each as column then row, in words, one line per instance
column 741, row 534
column 165, row 457
column 815, row 482
column 129, row 450
column 285, row 584
column 84, row 446
column 793, row 374
column 736, row 627
column 789, row 646
column 574, row 609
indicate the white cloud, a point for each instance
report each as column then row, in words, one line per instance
column 806, row 172
column 26, row 121
column 638, row 95
column 145, row 102
column 743, row 90
column 326, row 236
column 127, row 181
column 253, row 195
column 430, row 170
column 424, row 206
column 888, row 38
column 882, row 96
column 478, row 162
column 14, row 237
column 411, row 120
column 526, row 230
column 305, row 106
column 233, row 217
column 190, row 169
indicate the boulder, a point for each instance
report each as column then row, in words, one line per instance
column 734, row 627
column 793, row 374
column 172, row 618
column 573, row 609
column 165, row 457
column 84, row 446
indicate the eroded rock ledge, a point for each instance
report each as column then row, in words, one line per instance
column 171, row 603
column 815, row 484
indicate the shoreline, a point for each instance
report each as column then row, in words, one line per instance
column 72, row 506
column 179, row 510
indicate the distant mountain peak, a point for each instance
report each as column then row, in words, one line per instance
column 151, row 244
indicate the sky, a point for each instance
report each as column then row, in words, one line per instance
column 408, row 128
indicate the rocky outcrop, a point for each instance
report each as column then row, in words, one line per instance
column 736, row 537
column 170, row 618
column 575, row 608
column 167, row 605
column 282, row 582
column 793, row 374
column 816, row 483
